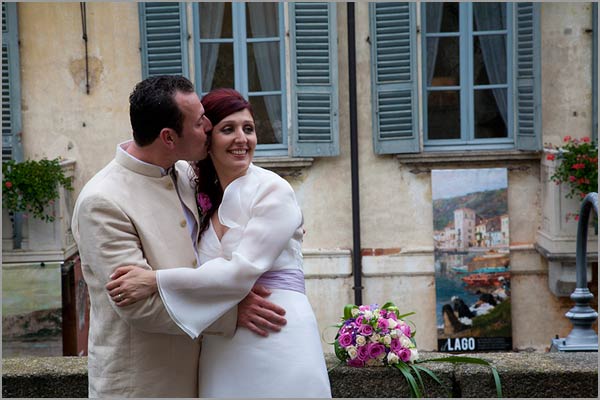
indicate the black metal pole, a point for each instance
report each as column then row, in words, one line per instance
column 85, row 39
column 356, row 249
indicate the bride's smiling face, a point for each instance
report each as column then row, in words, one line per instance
column 233, row 141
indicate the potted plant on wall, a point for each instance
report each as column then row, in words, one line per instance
column 31, row 186
column 577, row 168
column 568, row 173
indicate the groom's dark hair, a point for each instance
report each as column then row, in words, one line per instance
column 152, row 106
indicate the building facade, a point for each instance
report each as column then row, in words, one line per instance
column 421, row 86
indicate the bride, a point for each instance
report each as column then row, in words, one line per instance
column 250, row 218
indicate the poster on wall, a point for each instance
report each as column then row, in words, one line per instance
column 472, row 260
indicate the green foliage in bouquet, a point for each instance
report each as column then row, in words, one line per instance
column 31, row 185
column 369, row 335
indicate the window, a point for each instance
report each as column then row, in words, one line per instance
column 466, row 71
column 11, row 93
column 242, row 45
column 480, row 77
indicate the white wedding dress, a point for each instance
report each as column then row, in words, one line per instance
column 289, row 363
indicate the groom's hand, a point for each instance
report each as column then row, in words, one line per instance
column 259, row 315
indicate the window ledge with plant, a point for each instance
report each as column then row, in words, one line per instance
column 36, row 206
column 568, row 172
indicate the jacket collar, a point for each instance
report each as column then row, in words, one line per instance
column 131, row 163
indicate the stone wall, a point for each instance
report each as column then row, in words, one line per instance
column 525, row 375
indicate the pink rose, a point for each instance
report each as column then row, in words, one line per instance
column 204, row 202
column 395, row 345
column 585, row 139
column 567, row 138
column 551, row 157
column 375, row 349
column 404, row 354
column 365, row 330
column 383, row 324
column 392, row 315
column 345, row 340
column 362, row 353
column 405, row 329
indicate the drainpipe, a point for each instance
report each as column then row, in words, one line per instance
column 356, row 249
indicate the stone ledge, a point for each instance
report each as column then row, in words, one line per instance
column 524, row 375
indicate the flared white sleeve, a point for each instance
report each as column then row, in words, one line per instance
column 264, row 210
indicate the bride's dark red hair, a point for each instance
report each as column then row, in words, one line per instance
column 218, row 104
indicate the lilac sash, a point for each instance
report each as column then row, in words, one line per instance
column 289, row 279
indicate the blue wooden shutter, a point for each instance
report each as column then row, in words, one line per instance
column 394, row 78
column 11, row 90
column 313, row 38
column 163, row 33
column 528, row 77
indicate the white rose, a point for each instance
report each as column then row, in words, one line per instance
column 360, row 340
column 392, row 358
column 375, row 337
column 355, row 312
column 405, row 341
column 387, row 339
column 368, row 314
column 392, row 323
column 376, row 314
column 394, row 333
column 352, row 352
column 414, row 355
column 381, row 357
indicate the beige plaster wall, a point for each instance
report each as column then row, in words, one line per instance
column 566, row 70
column 59, row 118
column 396, row 212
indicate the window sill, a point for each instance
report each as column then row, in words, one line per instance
column 425, row 162
column 284, row 166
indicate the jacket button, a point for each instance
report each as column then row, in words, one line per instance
column 183, row 223
column 170, row 185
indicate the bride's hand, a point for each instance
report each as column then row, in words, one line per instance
column 131, row 284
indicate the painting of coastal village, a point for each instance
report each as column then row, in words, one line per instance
column 472, row 260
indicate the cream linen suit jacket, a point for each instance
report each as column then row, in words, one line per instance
column 128, row 213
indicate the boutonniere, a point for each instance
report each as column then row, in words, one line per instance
column 204, row 203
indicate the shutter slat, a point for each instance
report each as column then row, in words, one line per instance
column 394, row 79
column 11, row 93
column 164, row 39
column 527, row 43
column 313, row 41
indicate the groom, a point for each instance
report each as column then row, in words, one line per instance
column 140, row 209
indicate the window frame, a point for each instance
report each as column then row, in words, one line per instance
column 240, row 65
column 467, row 87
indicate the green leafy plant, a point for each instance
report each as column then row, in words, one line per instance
column 31, row 185
column 577, row 166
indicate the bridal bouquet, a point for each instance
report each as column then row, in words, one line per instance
column 370, row 335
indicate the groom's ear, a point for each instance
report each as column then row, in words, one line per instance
column 167, row 136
